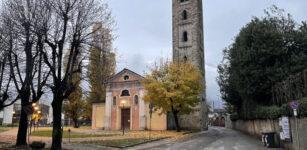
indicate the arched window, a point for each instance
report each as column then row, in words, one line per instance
column 136, row 100
column 125, row 93
column 184, row 15
column 185, row 36
column 114, row 100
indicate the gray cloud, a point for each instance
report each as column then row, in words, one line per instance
column 145, row 30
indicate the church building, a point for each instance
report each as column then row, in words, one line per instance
column 124, row 106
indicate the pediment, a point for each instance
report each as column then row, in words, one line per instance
column 125, row 75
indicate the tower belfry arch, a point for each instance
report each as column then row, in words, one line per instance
column 188, row 45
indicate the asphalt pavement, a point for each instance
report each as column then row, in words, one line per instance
column 215, row 138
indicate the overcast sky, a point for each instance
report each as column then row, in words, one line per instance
column 145, row 30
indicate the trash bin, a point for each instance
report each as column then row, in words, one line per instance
column 268, row 139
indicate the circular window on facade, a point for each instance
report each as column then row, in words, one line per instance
column 126, row 77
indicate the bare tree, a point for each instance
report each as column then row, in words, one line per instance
column 68, row 26
column 7, row 95
column 24, row 55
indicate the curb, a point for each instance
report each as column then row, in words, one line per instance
column 121, row 147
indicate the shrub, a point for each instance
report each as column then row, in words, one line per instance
column 37, row 145
column 302, row 110
column 270, row 112
column 13, row 125
column 234, row 117
column 286, row 110
column 267, row 112
column 248, row 110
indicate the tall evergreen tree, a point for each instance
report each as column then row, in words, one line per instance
column 102, row 65
column 265, row 52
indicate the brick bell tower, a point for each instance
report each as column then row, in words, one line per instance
column 188, row 44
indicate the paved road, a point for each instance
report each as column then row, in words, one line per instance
column 215, row 139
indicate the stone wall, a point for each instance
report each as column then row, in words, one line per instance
column 255, row 127
column 294, row 87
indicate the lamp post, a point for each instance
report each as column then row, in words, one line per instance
column 13, row 118
column 151, row 105
column 38, row 117
column 35, row 114
column 123, row 123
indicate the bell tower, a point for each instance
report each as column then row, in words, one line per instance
column 188, row 45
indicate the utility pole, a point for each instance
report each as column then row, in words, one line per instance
column 151, row 105
column 295, row 105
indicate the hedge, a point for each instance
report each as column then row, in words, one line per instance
column 271, row 112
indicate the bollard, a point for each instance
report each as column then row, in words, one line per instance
column 69, row 135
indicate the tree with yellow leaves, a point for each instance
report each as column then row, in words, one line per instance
column 74, row 105
column 174, row 88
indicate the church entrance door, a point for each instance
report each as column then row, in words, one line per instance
column 126, row 118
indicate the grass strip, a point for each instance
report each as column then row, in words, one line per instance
column 122, row 143
column 72, row 134
column 3, row 129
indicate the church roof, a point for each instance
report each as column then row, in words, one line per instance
column 124, row 71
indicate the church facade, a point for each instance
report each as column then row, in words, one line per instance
column 124, row 106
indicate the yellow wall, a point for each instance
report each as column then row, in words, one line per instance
column 100, row 111
column 158, row 122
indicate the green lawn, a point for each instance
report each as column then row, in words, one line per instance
column 48, row 133
column 119, row 143
column 3, row 129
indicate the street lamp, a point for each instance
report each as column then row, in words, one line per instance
column 123, row 102
column 123, row 123
column 35, row 115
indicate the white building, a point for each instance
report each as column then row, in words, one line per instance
column 11, row 114
column 47, row 113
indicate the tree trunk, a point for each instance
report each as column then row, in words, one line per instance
column 22, row 129
column 57, row 126
column 76, row 123
column 175, row 114
column 25, row 90
column 23, row 122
